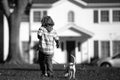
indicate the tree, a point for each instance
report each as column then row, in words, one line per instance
column 14, row 19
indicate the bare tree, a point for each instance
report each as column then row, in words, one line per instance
column 14, row 19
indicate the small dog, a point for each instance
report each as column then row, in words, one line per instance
column 70, row 69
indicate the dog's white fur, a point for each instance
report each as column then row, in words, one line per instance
column 71, row 69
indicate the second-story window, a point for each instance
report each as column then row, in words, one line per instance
column 116, row 16
column 25, row 18
column 70, row 16
column 104, row 16
column 38, row 15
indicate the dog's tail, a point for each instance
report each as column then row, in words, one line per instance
column 74, row 59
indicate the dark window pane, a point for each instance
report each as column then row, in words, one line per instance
column 104, row 16
column 116, row 16
column 37, row 16
column 71, row 16
column 116, row 47
column 105, row 49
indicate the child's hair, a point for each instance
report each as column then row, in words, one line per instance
column 47, row 20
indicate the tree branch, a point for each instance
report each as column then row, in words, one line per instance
column 6, row 7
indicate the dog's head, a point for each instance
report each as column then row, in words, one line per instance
column 71, row 64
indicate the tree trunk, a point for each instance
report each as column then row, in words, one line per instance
column 14, row 55
column 14, row 49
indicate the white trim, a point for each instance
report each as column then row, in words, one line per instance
column 88, row 51
column 111, row 47
column 75, row 27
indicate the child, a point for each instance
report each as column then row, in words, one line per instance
column 47, row 35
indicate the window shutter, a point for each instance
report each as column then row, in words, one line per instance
column 95, row 16
column 96, row 49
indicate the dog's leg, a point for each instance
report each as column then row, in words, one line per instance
column 73, row 74
column 70, row 75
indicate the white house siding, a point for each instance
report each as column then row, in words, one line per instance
column 60, row 13
column 59, row 56
column 6, row 38
column 83, row 19
column 24, row 39
column 60, row 16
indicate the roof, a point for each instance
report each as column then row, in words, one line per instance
column 102, row 1
column 81, row 3
column 76, row 28
column 45, row 1
column 87, row 1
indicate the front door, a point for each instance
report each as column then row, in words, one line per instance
column 70, row 46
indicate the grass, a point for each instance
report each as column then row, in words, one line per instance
column 85, row 72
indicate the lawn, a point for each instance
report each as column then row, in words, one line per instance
column 83, row 73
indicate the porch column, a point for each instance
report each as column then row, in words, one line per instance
column 111, row 35
column 88, row 51
column 111, row 47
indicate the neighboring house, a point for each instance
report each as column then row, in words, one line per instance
column 87, row 28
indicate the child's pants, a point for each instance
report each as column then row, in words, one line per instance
column 45, row 62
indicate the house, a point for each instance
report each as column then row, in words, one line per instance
column 87, row 28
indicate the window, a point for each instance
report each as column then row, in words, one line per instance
column 116, row 16
column 95, row 16
column 104, row 16
column 25, row 18
column 25, row 49
column 116, row 47
column 38, row 15
column 71, row 16
column 116, row 56
column 105, row 49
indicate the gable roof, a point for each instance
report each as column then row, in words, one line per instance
column 81, row 3
column 45, row 1
column 101, row 1
column 74, row 27
column 87, row 1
